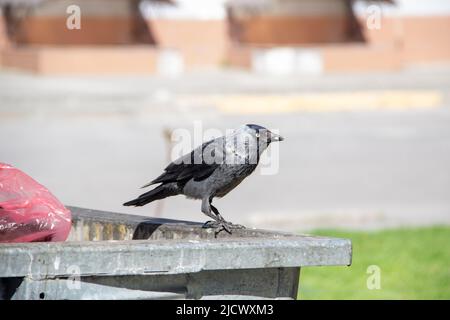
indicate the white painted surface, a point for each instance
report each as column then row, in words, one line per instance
column 414, row 8
column 170, row 62
column 309, row 61
column 185, row 9
column 287, row 61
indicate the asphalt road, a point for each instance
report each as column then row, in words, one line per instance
column 358, row 169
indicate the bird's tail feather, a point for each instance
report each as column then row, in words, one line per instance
column 158, row 193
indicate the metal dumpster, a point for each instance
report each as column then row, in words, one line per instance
column 117, row 256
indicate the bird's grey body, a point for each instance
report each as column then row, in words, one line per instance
column 212, row 170
column 224, row 179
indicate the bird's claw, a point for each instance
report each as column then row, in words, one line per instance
column 218, row 225
column 222, row 225
column 235, row 226
column 210, row 224
column 232, row 225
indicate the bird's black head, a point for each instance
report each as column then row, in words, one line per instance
column 264, row 134
column 255, row 127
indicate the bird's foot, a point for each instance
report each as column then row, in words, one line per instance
column 218, row 225
column 234, row 226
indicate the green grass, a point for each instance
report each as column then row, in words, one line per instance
column 414, row 264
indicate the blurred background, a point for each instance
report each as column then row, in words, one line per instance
column 90, row 91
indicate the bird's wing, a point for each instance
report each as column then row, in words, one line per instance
column 192, row 165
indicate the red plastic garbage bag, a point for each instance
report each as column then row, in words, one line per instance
column 28, row 211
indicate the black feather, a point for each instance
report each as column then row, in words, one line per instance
column 158, row 193
column 197, row 169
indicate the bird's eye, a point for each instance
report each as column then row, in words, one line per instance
column 257, row 134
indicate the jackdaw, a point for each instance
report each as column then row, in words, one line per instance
column 212, row 170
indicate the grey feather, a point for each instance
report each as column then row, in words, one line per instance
column 212, row 169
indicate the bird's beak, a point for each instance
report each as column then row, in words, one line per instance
column 275, row 137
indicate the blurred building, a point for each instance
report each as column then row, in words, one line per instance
column 267, row 36
column 316, row 36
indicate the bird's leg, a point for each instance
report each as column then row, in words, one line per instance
column 218, row 223
column 206, row 209
column 217, row 213
column 229, row 224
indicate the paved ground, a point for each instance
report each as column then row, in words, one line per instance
column 94, row 141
